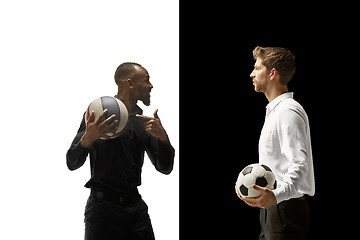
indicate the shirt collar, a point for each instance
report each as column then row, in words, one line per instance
column 136, row 109
column 271, row 105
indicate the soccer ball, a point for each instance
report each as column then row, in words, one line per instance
column 258, row 174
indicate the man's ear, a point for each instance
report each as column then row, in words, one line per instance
column 130, row 83
column 273, row 73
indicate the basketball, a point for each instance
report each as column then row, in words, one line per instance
column 114, row 106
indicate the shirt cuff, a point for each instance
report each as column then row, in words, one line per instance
column 81, row 150
column 280, row 195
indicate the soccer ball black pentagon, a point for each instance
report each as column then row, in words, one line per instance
column 258, row 174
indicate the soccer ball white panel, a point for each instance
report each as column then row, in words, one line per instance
column 249, row 180
column 253, row 193
column 270, row 177
column 258, row 170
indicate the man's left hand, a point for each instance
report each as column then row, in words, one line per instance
column 153, row 126
column 266, row 200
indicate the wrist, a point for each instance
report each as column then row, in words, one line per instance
column 163, row 137
column 86, row 141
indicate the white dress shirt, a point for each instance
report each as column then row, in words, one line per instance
column 285, row 147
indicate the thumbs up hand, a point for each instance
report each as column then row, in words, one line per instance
column 153, row 126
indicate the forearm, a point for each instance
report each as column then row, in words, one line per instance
column 289, row 186
column 77, row 153
column 166, row 156
column 76, row 156
column 162, row 154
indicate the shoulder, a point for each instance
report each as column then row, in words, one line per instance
column 289, row 104
column 291, row 110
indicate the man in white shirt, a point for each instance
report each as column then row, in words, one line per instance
column 285, row 147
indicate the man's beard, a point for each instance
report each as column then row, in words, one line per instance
column 146, row 100
column 259, row 88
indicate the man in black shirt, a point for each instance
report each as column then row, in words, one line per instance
column 115, row 209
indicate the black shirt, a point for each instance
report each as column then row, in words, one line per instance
column 116, row 163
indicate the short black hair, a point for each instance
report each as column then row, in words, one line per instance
column 124, row 71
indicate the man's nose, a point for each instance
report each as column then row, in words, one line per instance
column 252, row 75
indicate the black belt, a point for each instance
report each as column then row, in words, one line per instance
column 116, row 199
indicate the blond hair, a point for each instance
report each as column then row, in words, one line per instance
column 279, row 58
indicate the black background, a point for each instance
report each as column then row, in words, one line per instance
column 221, row 115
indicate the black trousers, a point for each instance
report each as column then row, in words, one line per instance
column 105, row 220
column 287, row 220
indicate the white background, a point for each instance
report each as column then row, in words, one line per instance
column 55, row 58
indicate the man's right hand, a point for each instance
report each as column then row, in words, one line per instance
column 98, row 128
